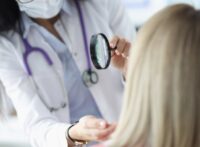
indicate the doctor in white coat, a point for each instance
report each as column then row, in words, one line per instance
column 51, row 95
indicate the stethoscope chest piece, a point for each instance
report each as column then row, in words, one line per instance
column 90, row 78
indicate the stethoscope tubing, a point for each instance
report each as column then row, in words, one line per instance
column 83, row 28
column 29, row 50
column 27, row 53
column 89, row 70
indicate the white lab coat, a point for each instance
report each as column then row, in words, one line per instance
column 47, row 129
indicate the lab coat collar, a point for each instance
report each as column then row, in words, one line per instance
column 67, row 7
column 28, row 23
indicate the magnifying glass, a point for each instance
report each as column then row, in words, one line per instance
column 100, row 51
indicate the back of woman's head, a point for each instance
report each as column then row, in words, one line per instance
column 162, row 97
column 9, row 15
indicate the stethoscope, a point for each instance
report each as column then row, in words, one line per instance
column 28, row 50
column 89, row 76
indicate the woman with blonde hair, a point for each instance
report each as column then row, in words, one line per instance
column 162, row 98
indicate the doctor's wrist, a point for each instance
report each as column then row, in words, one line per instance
column 71, row 135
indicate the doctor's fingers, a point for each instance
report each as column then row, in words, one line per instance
column 121, row 45
column 91, row 122
column 126, row 50
column 114, row 41
column 99, row 134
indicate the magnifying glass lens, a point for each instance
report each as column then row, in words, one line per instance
column 100, row 51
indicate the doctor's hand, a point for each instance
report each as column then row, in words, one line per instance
column 90, row 128
column 120, row 55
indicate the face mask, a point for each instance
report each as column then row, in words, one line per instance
column 42, row 8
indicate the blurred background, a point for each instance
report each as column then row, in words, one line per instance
column 141, row 10
column 11, row 133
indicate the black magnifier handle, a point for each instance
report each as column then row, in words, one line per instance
column 113, row 49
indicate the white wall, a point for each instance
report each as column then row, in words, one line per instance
column 141, row 10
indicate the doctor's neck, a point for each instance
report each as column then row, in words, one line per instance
column 48, row 24
column 45, row 22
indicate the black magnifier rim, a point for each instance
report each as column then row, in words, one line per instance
column 93, row 51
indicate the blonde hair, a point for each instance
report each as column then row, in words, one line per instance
column 162, row 98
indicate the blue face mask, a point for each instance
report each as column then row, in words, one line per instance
column 41, row 8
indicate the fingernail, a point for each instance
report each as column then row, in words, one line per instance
column 117, row 53
column 112, row 45
column 123, row 55
column 102, row 124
